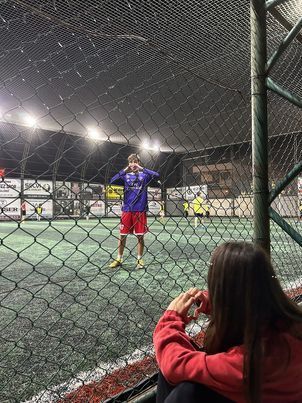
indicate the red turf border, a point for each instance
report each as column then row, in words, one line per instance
column 114, row 383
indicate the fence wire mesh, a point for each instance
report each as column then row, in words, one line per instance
column 83, row 85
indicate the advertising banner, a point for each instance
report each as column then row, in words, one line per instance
column 63, row 208
column 187, row 192
column 114, row 209
column 176, row 193
column 67, row 190
column 154, row 207
column 77, row 205
column 97, row 208
column 93, row 191
column 154, row 193
column 10, row 209
column 114, row 192
column 32, row 204
column 37, row 187
column 10, row 188
column 75, row 190
column 191, row 191
column 63, row 190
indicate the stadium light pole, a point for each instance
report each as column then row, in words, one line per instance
column 259, row 124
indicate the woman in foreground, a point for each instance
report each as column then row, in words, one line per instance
column 253, row 345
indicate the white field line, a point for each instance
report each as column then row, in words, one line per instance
column 53, row 393
column 292, row 284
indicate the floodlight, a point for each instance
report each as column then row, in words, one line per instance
column 93, row 133
column 30, row 121
column 150, row 146
column 156, row 147
column 145, row 145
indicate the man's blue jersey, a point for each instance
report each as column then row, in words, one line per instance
column 135, row 188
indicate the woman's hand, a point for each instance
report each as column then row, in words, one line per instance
column 184, row 302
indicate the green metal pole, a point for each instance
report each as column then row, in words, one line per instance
column 285, row 226
column 284, row 45
column 285, row 181
column 294, row 99
column 259, row 124
column 273, row 3
column 284, row 22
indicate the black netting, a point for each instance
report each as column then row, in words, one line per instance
column 82, row 86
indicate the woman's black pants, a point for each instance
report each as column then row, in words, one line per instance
column 186, row 392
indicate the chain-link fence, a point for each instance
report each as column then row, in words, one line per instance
column 83, row 86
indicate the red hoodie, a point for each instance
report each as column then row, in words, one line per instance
column 179, row 361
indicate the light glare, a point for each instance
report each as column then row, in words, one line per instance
column 93, row 133
column 30, row 121
column 150, row 146
column 156, row 147
column 145, row 145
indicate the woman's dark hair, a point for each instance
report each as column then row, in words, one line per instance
column 246, row 301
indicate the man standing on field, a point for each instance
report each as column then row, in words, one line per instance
column 135, row 180
column 198, row 209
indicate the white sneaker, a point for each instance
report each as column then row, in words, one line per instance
column 140, row 264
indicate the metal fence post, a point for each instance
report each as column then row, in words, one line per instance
column 259, row 124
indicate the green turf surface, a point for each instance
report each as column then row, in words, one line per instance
column 64, row 311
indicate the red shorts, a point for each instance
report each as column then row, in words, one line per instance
column 133, row 223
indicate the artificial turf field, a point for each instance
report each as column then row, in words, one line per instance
column 64, row 311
